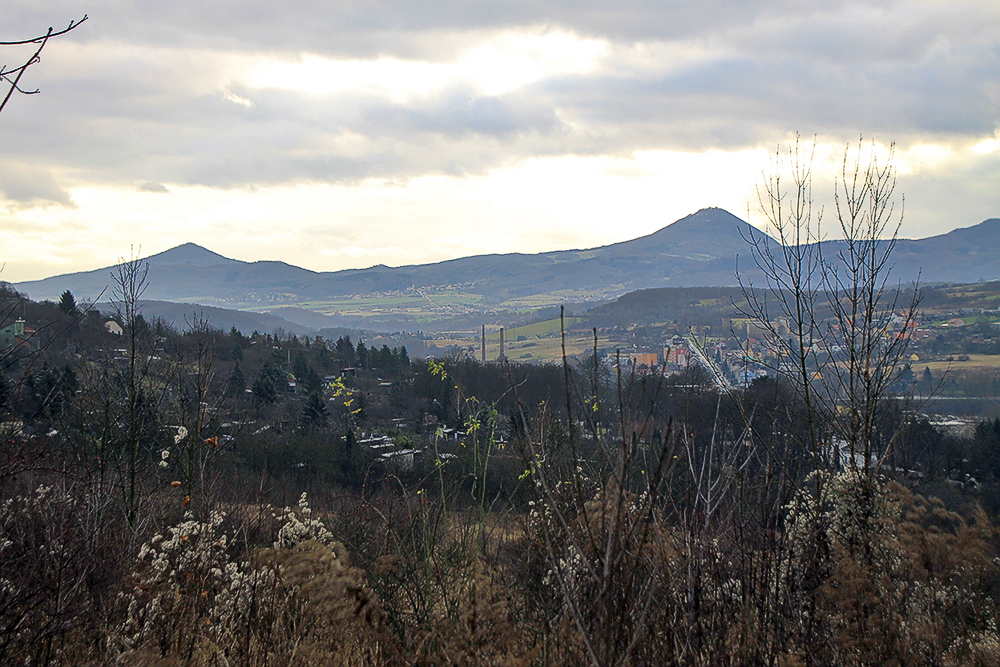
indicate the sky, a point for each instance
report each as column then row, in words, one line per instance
column 337, row 134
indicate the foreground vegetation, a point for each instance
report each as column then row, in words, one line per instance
column 160, row 510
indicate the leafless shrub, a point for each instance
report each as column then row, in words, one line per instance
column 48, row 613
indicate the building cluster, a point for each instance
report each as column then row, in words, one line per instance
column 399, row 453
column 672, row 357
column 728, row 366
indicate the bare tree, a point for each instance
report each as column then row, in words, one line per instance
column 11, row 77
column 138, row 386
column 836, row 326
column 790, row 266
column 846, row 322
column 867, row 335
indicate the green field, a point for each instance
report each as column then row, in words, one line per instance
column 561, row 296
column 544, row 328
column 417, row 308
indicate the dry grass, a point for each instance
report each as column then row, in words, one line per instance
column 547, row 349
column 976, row 362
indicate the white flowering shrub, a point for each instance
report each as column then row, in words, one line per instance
column 195, row 598
column 300, row 526
column 880, row 574
column 184, row 569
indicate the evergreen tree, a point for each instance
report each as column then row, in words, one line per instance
column 237, row 383
column 265, row 388
column 344, row 350
column 314, row 410
column 239, row 341
column 275, row 372
column 300, row 367
column 362, row 409
column 311, row 382
column 67, row 303
column 68, row 384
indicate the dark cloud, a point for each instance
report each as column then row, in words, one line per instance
column 144, row 91
column 380, row 27
column 31, row 186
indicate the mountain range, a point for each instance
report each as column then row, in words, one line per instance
column 698, row 250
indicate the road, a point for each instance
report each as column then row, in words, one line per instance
column 713, row 370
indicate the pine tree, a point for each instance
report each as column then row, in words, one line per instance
column 362, row 354
column 237, row 383
column 67, row 303
column 300, row 367
column 314, row 410
column 345, row 351
column 4, row 393
column 311, row 382
column 264, row 387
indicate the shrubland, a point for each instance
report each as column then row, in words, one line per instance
column 156, row 512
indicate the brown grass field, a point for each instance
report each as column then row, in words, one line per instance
column 976, row 362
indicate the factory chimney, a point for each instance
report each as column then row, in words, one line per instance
column 482, row 340
column 501, row 344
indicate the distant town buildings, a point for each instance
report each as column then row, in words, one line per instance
column 12, row 333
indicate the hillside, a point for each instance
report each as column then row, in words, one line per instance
column 181, row 315
column 698, row 250
column 701, row 244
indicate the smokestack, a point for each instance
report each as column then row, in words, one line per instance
column 501, row 343
column 482, row 339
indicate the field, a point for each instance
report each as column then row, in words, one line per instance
column 413, row 306
column 407, row 302
column 550, row 348
column 542, row 342
column 562, row 296
column 976, row 362
column 544, row 328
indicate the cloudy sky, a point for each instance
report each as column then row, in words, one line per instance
column 336, row 134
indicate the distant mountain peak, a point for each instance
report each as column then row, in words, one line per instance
column 716, row 221
column 699, row 249
column 711, row 215
column 189, row 253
